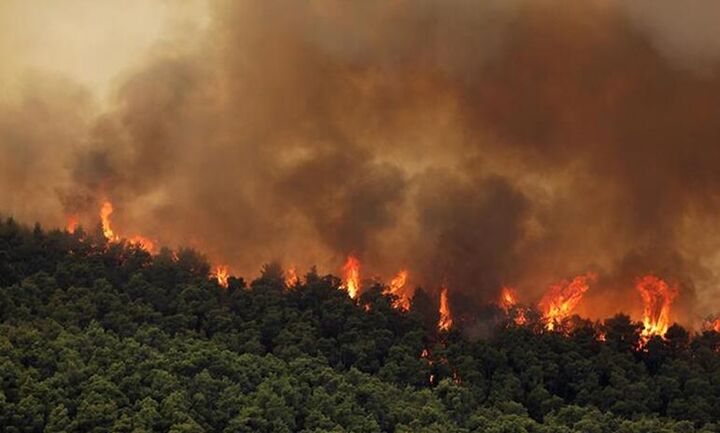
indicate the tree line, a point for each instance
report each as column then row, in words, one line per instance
column 98, row 337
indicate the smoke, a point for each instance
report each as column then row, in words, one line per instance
column 39, row 136
column 686, row 33
column 475, row 143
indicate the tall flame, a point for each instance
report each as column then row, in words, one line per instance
column 508, row 298
column 139, row 241
column 446, row 321
column 291, row 277
column 351, row 276
column 105, row 211
column 72, row 224
column 657, row 296
column 561, row 299
column 397, row 288
column 221, row 275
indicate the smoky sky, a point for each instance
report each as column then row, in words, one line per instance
column 476, row 144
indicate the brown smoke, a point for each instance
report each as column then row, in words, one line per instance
column 475, row 143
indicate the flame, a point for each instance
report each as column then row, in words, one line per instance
column 72, row 224
column 715, row 326
column 446, row 321
column 562, row 298
column 657, row 296
column 508, row 298
column 520, row 317
column 457, row 380
column 397, row 288
column 139, row 241
column 291, row 277
column 351, row 276
column 105, row 211
column 142, row 242
column 509, row 303
column 221, row 275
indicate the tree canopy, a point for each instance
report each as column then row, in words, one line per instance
column 98, row 337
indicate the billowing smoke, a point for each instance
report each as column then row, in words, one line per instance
column 475, row 143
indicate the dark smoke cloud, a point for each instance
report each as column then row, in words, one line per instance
column 475, row 143
column 40, row 134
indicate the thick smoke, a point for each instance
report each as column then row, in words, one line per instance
column 475, row 143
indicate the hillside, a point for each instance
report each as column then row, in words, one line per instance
column 105, row 337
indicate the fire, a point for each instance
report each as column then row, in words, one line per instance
column 351, row 276
column 562, row 298
column 397, row 288
column 221, row 275
column 446, row 321
column 520, row 317
column 715, row 326
column 509, row 303
column 72, row 224
column 508, row 298
column 139, row 241
column 657, row 296
column 291, row 277
column 142, row 242
column 105, row 211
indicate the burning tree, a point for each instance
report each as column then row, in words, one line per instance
column 657, row 296
column 562, row 298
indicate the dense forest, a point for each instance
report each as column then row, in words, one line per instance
column 105, row 337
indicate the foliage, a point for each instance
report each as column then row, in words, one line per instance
column 97, row 338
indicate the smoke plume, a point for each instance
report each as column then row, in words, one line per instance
column 477, row 144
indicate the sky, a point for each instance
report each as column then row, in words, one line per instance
column 91, row 42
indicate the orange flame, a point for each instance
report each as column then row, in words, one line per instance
column 562, row 298
column 351, row 280
column 72, row 224
column 221, row 275
column 142, row 242
column 397, row 288
column 291, row 277
column 657, row 296
column 446, row 321
column 105, row 211
column 520, row 317
column 508, row 302
column 508, row 298
column 715, row 325
column 139, row 241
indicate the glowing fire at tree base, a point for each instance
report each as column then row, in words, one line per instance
column 351, row 280
column 562, row 298
column 221, row 275
column 446, row 321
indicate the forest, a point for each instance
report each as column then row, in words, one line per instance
column 105, row 337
